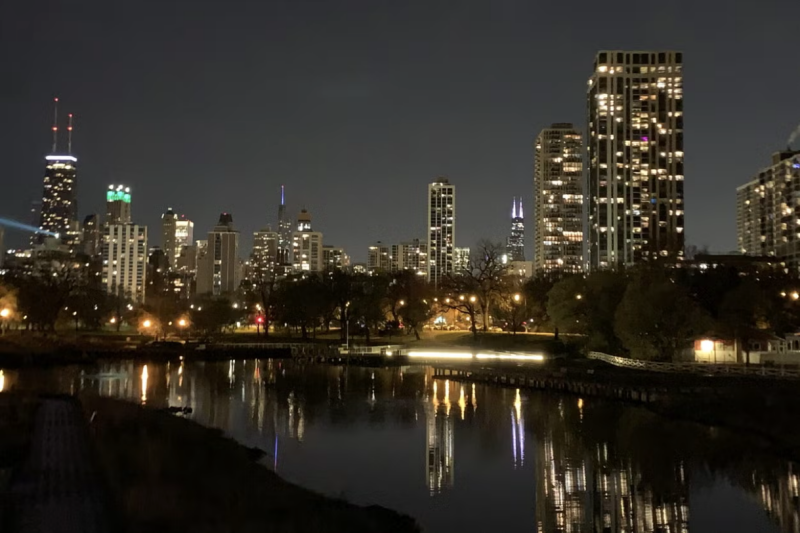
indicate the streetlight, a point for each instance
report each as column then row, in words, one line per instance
column 578, row 296
column 472, row 299
column 5, row 313
column 517, row 297
column 347, row 328
column 259, row 321
column 147, row 323
column 402, row 303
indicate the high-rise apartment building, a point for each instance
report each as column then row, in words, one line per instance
column 125, row 260
column 558, row 200
column 265, row 254
column 334, row 258
column 379, row 258
column 635, row 157
column 461, row 259
column 169, row 226
column 411, row 255
column 118, row 205
column 767, row 212
column 221, row 271
column 306, row 246
column 441, row 224
column 515, row 244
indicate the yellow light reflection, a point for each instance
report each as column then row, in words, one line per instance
column 144, row 384
column 474, row 399
column 513, row 357
column 447, row 397
column 462, row 402
column 2, row 381
column 441, row 355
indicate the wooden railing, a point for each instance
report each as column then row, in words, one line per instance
column 732, row 369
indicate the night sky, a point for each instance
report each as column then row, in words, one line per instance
column 209, row 106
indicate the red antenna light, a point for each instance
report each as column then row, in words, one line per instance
column 69, row 135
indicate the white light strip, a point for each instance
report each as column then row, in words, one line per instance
column 513, row 357
column 61, row 158
column 441, row 355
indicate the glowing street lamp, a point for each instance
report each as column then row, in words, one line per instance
column 517, row 297
column 472, row 299
column 147, row 323
column 182, row 323
column 5, row 314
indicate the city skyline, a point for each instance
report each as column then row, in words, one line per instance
column 367, row 109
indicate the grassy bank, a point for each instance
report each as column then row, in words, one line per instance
column 169, row 475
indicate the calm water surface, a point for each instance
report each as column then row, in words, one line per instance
column 463, row 457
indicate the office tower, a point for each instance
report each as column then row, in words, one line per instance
column 284, row 234
column 169, row 226
column 118, row 205
column 125, row 260
column 334, row 258
column 187, row 261
column 306, row 246
column 91, row 235
column 59, row 209
column 379, row 258
column 36, row 213
column 515, row 245
column 264, row 255
column 635, row 158
column 461, row 259
column 766, row 214
column 220, row 263
column 558, row 200
column 441, row 224
column 184, row 234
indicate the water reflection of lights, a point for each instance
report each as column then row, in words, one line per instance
column 231, row 375
column 518, row 432
column 2, row 381
column 144, row 384
column 511, row 356
column 483, row 356
column 474, row 399
column 441, row 355
column 462, row 402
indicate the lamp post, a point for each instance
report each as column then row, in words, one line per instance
column 517, row 299
column 347, row 327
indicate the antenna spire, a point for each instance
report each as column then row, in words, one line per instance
column 282, row 196
column 514, row 207
column 55, row 125
column 520, row 208
column 69, row 135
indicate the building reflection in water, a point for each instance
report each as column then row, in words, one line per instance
column 597, row 466
column 584, row 487
column 440, row 437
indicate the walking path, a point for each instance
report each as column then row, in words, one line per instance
column 60, row 488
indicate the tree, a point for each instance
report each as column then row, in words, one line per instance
column 210, row 316
column 369, row 305
column 411, row 299
column 657, row 318
column 566, row 305
column 480, row 282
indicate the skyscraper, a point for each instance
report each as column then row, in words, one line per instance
column 221, row 272
column 284, row 235
column 635, row 157
column 265, row 254
column 184, row 234
column 441, row 224
column 169, row 245
column 766, row 215
column 515, row 245
column 91, row 235
column 59, row 210
column 307, row 253
column 125, row 260
column 118, row 205
column 558, row 200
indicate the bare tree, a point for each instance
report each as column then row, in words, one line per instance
column 479, row 284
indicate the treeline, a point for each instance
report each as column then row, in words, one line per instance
column 654, row 312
